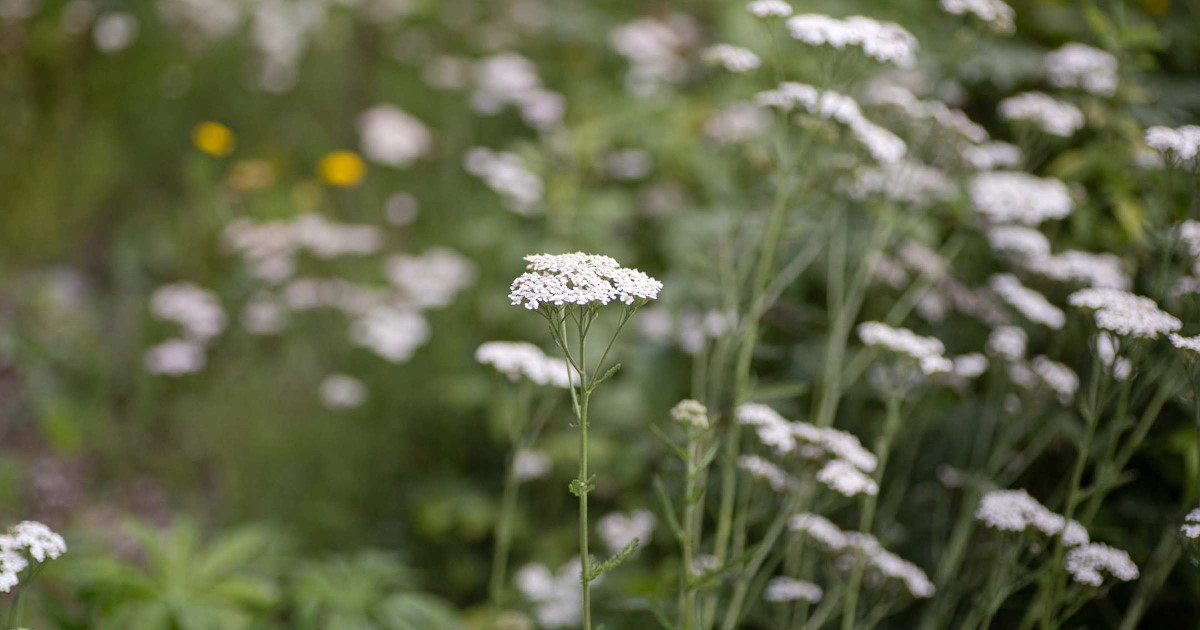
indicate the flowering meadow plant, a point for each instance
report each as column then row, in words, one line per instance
column 918, row 346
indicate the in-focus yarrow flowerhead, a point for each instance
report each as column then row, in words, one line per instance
column 580, row 279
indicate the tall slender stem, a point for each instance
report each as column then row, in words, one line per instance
column 585, row 583
column 883, row 446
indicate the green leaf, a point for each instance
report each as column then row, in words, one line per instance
column 614, row 561
column 669, row 443
column 669, row 510
column 612, row 370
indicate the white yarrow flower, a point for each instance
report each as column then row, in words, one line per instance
column 926, row 351
column 529, row 464
column 1124, row 313
column 1052, row 116
column 846, row 479
column 995, row 12
column 886, row 42
column 785, row 589
column 691, row 413
column 769, row 8
column 580, row 279
column 1033, row 305
column 1086, row 562
column 1081, row 66
column 1181, row 144
column 1016, row 197
column 341, row 392
column 733, row 58
column 619, row 530
column 391, row 136
column 762, row 470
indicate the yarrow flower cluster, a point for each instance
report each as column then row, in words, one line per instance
column 1058, row 377
column 991, row 155
column 392, row 136
column 1018, row 240
column 27, row 538
column 1033, row 305
column 270, row 248
column 1048, row 114
column 529, row 464
column 926, row 351
column 769, row 8
column 883, row 145
column 888, row 564
column 506, row 174
column 1081, row 66
column 1016, row 197
column 906, row 181
column 846, row 479
column 1007, row 342
column 953, row 120
column 786, row 589
column 654, row 50
column 886, row 42
column 507, row 78
column 557, row 600
column 1124, row 313
column 1181, row 144
column 519, row 359
column 995, row 12
column 340, row 392
column 619, row 530
column 815, row 442
column 1191, row 344
column 1017, row 511
column 579, row 279
column 690, row 413
column 761, row 469
column 1191, row 525
column 1086, row 562
column 196, row 310
column 733, row 58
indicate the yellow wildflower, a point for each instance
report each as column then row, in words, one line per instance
column 343, row 169
column 213, row 138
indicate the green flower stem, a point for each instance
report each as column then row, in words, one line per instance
column 883, row 445
column 1054, row 577
column 584, row 558
column 503, row 535
column 733, row 614
column 687, row 596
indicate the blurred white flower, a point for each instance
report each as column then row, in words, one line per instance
column 1081, row 66
column 992, row 155
column 557, row 600
column 995, row 12
column 263, row 315
column 1017, row 197
column 506, row 174
column 628, row 164
column 769, row 8
column 529, row 464
column 886, row 42
column 880, row 560
column 1007, row 342
column 392, row 333
column 198, row 311
column 391, row 136
column 175, row 357
column 400, row 209
column 737, row 123
column 517, row 359
column 733, row 58
column 1057, row 377
column 760, row 469
column 1124, row 313
column 1033, row 305
column 654, row 49
column 1020, row 241
column 953, row 120
column 432, row 279
column 1052, row 116
column 1181, row 144
column 1191, row 525
column 340, row 392
column 882, row 144
column 847, row 480
column 926, row 351
column 1016, row 511
column 114, row 32
column 785, row 589
column 618, row 530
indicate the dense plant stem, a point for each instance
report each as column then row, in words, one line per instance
column 867, row 518
column 584, row 558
